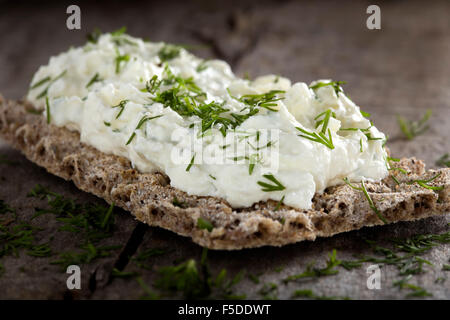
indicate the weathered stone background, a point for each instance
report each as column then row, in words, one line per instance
column 401, row 69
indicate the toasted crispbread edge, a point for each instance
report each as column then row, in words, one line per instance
column 150, row 198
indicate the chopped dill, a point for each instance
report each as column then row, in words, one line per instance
column 326, row 118
column 169, row 52
column 50, row 82
column 369, row 199
column 204, row 224
column 312, row 272
column 88, row 253
column 121, row 107
column 266, row 100
column 275, row 186
column 202, row 66
column 141, row 122
column 116, row 273
column 317, row 137
column 47, row 109
column 424, row 183
column 178, row 203
column 277, row 207
column 190, row 163
column 269, row 291
column 119, row 59
column 142, row 258
column 94, row 35
column 95, row 78
column 40, row 82
column 335, row 84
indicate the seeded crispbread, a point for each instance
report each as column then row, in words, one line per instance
column 150, row 198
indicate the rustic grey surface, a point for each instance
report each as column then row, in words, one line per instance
column 400, row 69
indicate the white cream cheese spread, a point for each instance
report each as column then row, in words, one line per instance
column 212, row 133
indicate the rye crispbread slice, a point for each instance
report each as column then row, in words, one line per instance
column 150, row 198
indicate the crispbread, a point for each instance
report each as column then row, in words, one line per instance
column 150, row 198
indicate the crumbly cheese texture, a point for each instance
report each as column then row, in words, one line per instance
column 118, row 94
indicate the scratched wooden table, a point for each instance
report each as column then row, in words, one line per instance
column 401, row 69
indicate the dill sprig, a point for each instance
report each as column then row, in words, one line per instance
column 326, row 118
column 88, row 253
column 266, row 100
column 183, row 278
column 194, row 281
column 94, row 35
column 169, row 52
column 335, row 84
column 369, row 199
column 40, row 82
column 141, row 122
column 142, row 258
column 424, row 183
column 405, row 256
column 95, row 78
column 47, row 109
column 417, row 291
column 312, row 272
column 116, row 273
column 184, row 97
column 317, row 137
column 275, row 186
column 279, row 203
column 412, row 129
column 119, row 59
column 202, row 66
column 269, row 291
column 93, row 221
column 121, row 107
column 48, row 80
column 190, row 163
column 19, row 236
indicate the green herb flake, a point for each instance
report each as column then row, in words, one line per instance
column 47, row 109
column 40, row 82
column 317, row 137
column 190, row 163
column 312, row 272
column 424, row 183
column 141, row 122
column 275, row 186
column 169, row 52
column 50, row 82
column 336, row 85
column 204, row 224
column 119, row 59
column 202, row 66
column 277, row 207
column 95, row 78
